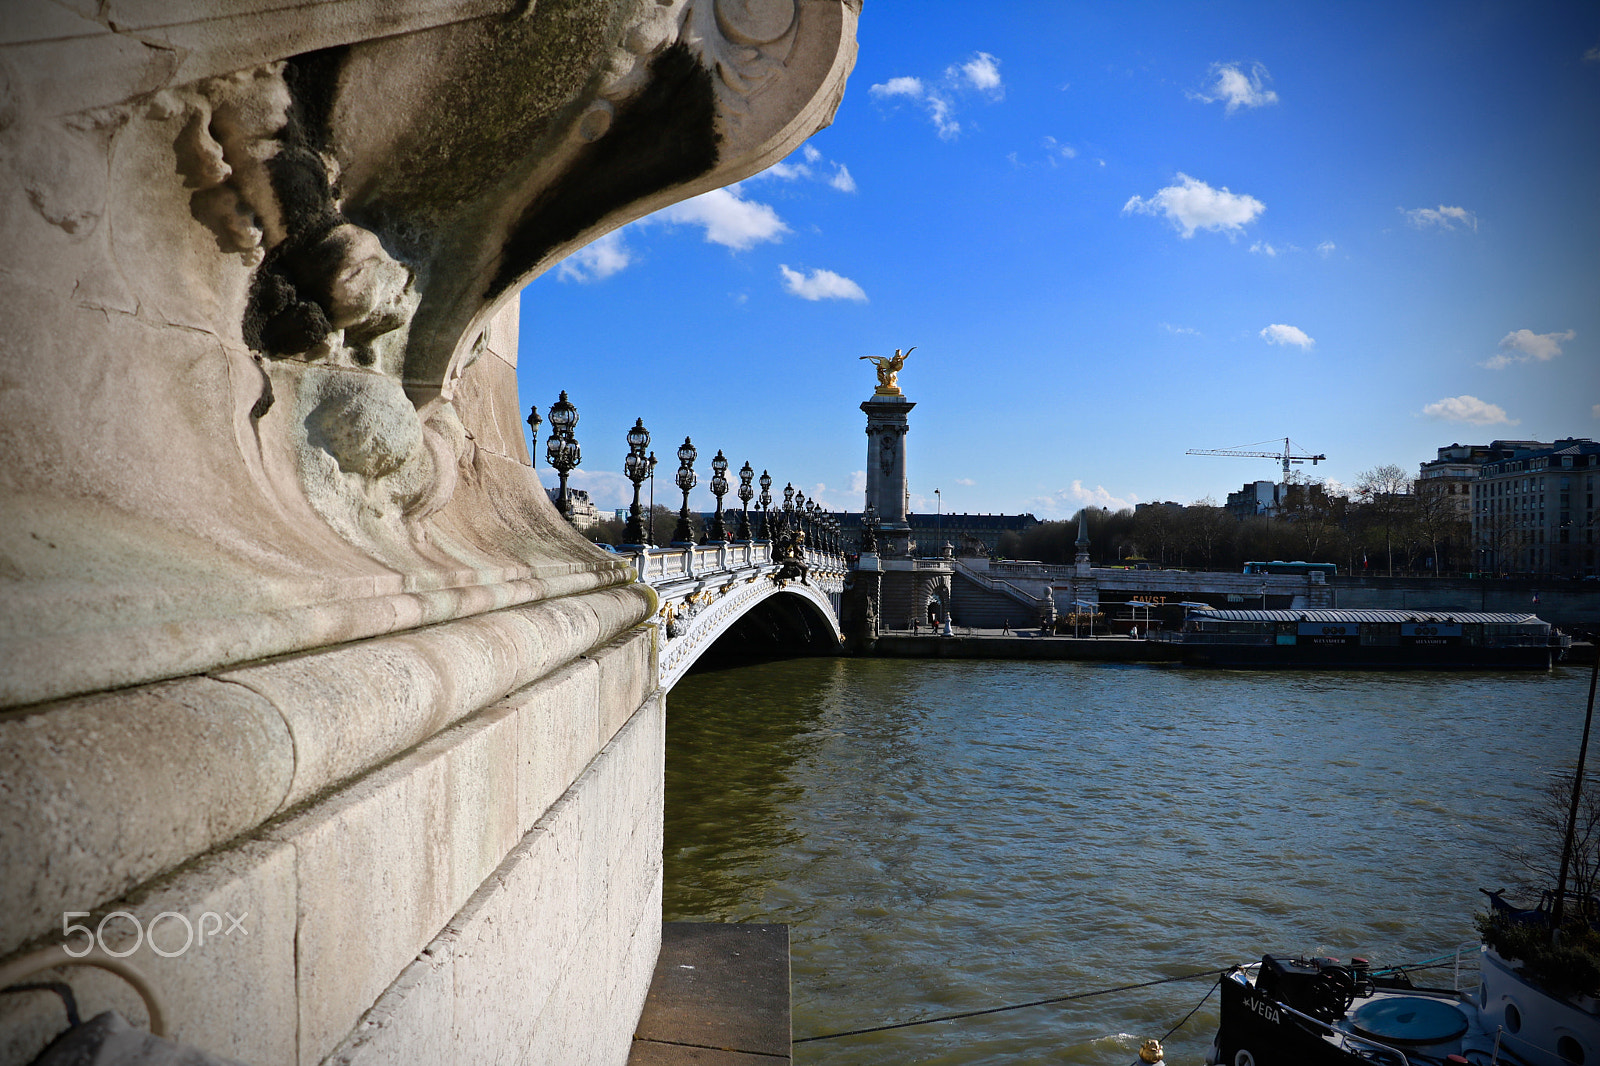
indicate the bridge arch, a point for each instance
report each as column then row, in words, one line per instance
column 730, row 598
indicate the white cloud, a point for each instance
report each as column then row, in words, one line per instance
column 1263, row 248
column 982, row 72
column 805, row 169
column 727, row 217
column 979, row 74
column 1525, row 346
column 1326, row 248
column 598, row 259
column 1055, row 149
column 820, row 285
column 784, row 171
column 1441, row 216
column 1592, row 55
column 607, row 489
column 1286, row 335
column 1468, row 409
column 1180, row 330
column 858, row 481
column 902, row 86
column 967, row 481
column 1595, row 410
column 1192, row 205
column 1064, row 503
column 1237, row 89
column 1098, row 497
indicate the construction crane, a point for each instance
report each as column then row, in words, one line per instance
column 1287, row 456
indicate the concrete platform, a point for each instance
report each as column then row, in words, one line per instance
column 719, row 997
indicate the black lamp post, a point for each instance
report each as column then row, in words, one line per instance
column 686, row 480
column 719, row 489
column 562, row 449
column 765, row 500
column 650, row 472
column 746, row 494
column 636, row 466
column 534, row 422
column 799, row 514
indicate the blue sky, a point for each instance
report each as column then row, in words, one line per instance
column 1115, row 232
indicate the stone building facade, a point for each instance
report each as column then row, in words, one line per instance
column 1533, row 512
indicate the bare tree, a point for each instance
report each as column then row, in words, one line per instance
column 1539, row 855
column 1384, row 493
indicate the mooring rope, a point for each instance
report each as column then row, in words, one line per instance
column 1032, row 1003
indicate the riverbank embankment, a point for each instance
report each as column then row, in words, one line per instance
column 1027, row 644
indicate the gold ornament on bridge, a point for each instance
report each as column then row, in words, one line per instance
column 889, row 371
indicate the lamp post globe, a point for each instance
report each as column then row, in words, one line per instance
column 650, row 472
column 686, row 481
column 719, row 489
column 746, row 494
column 636, row 466
column 562, row 449
column 765, row 500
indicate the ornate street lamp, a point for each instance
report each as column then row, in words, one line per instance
column 686, row 481
column 719, row 489
column 746, row 494
column 650, row 472
column 788, row 497
column 637, row 467
column 533, row 423
column 765, row 500
column 562, row 449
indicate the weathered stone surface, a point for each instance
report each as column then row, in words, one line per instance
column 228, row 988
column 102, row 793
column 536, row 963
column 258, row 422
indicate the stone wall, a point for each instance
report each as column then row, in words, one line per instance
column 289, row 631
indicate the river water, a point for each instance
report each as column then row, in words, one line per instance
column 945, row 836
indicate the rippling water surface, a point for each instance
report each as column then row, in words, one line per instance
column 949, row 836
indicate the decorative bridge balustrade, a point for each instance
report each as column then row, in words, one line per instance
column 744, row 592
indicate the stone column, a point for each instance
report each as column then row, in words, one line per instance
column 887, row 423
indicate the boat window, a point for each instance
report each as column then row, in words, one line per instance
column 1570, row 1050
column 1513, row 1019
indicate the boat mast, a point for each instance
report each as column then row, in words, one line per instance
column 1572, row 815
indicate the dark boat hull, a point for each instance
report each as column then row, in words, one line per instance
column 1258, row 1031
column 1365, row 657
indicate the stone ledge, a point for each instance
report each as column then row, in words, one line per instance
column 719, row 997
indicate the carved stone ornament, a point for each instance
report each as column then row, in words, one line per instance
column 258, row 385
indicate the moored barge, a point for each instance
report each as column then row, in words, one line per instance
column 1369, row 639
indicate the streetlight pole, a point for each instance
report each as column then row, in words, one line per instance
column 683, row 535
column 746, row 494
column 938, row 521
column 765, row 500
column 636, row 468
column 650, row 472
column 562, row 449
column 719, row 489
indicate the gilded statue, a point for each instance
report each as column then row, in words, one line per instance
column 889, row 371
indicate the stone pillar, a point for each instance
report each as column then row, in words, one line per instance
column 887, row 423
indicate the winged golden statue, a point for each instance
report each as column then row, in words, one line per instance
column 889, row 371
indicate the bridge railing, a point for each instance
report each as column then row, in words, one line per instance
column 667, row 566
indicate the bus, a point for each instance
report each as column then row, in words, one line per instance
column 1327, row 570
